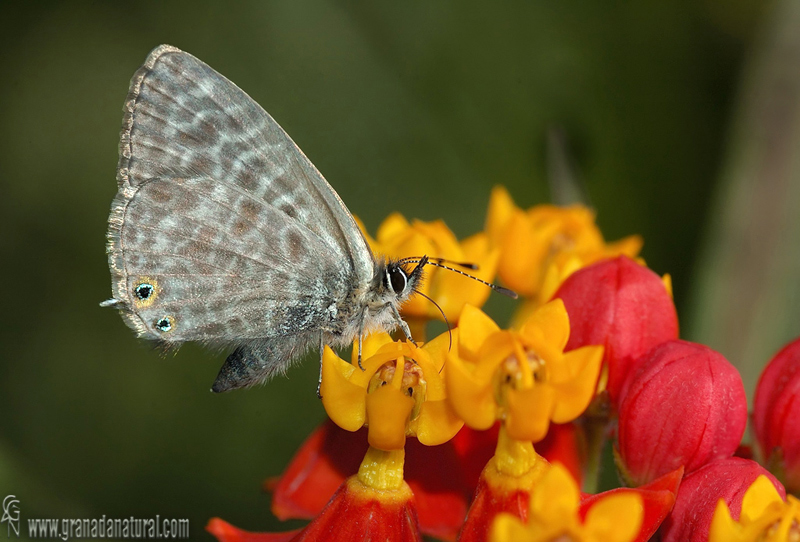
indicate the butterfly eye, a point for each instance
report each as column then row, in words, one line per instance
column 397, row 279
column 164, row 324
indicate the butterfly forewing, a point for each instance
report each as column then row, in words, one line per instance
column 222, row 229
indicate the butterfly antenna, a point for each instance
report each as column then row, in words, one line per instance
column 467, row 265
column 434, row 262
column 446, row 321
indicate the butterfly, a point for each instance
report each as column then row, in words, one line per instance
column 223, row 232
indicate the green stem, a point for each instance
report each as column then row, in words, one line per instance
column 594, row 424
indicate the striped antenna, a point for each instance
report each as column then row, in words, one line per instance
column 436, row 262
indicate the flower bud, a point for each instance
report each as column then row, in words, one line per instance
column 776, row 411
column 623, row 306
column 725, row 479
column 684, row 406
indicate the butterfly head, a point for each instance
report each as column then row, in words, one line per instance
column 400, row 283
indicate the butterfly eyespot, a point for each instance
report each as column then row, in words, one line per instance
column 144, row 290
column 397, row 279
column 164, row 324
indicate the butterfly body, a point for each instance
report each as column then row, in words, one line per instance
column 223, row 232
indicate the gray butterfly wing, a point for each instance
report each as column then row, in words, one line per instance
column 222, row 229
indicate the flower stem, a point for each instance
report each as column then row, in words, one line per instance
column 594, row 425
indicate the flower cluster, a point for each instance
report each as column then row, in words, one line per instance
column 487, row 433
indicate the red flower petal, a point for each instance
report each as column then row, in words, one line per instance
column 352, row 516
column 475, row 449
column 490, row 501
column 322, row 464
column 563, row 445
column 225, row 532
column 438, row 483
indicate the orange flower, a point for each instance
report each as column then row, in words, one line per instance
column 541, row 247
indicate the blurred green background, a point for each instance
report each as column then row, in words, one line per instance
column 418, row 109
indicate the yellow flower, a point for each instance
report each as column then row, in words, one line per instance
column 554, row 515
column 541, row 247
column 523, row 377
column 400, row 392
column 765, row 517
column 397, row 238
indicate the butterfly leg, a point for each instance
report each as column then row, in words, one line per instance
column 360, row 342
column 361, row 337
column 402, row 323
column 321, row 350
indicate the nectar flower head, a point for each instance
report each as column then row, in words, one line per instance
column 522, row 378
column 623, row 306
column 700, row 492
column 542, row 246
column 554, row 514
column 400, row 392
column 684, row 406
column 765, row 517
column 776, row 415
column 397, row 238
